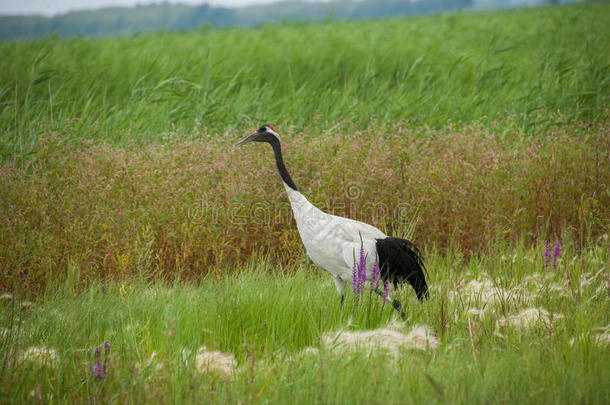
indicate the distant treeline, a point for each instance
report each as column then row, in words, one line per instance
column 118, row 21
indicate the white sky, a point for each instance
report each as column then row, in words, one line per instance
column 51, row 7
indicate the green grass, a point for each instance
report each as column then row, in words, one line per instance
column 265, row 317
column 542, row 66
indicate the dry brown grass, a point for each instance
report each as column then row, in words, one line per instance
column 192, row 207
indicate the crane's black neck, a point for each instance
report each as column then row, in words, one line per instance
column 279, row 161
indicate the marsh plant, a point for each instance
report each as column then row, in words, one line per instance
column 99, row 368
column 366, row 283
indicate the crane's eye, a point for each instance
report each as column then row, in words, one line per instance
column 262, row 129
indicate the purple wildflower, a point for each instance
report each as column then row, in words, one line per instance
column 362, row 268
column 356, row 285
column 359, row 273
column 375, row 275
column 556, row 252
column 386, row 291
column 547, row 254
column 98, row 369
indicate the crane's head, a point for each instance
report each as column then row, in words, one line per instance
column 266, row 133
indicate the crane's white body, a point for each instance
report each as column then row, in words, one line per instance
column 331, row 242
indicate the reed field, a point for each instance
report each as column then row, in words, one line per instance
column 543, row 66
column 128, row 216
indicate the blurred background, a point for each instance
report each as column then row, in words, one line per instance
column 31, row 18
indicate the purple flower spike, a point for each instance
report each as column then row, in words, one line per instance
column 547, row 255
column 356, row 285
column 359, row 273
column 98, row 370
column 386, row 291
column 375, row 274
column 362, row 268
column 556, row 252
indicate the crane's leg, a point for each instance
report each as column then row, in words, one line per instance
column 395, row 303
column 340, row 286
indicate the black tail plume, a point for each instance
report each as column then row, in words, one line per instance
column 400, row 261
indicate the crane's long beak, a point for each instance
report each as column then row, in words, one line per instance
column 247, row 139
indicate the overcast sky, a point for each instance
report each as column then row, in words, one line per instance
column 51, row 7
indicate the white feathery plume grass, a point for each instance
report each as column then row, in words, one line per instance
column 528, row 318
column 543, row 283
column 422, row 337
column 477, row 312
column 309, row 350
column 4, row 333
column 389, row 339
column 151, row 363
column 40, row 355
column 212, row 361
column 602, row 338
column 484, row 291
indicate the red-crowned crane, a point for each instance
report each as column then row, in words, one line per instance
column 334, row 243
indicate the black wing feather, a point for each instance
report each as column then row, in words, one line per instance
column 400, row 260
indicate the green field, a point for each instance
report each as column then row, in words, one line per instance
column 541, row 66
column 128, row 216
column 265, row 318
